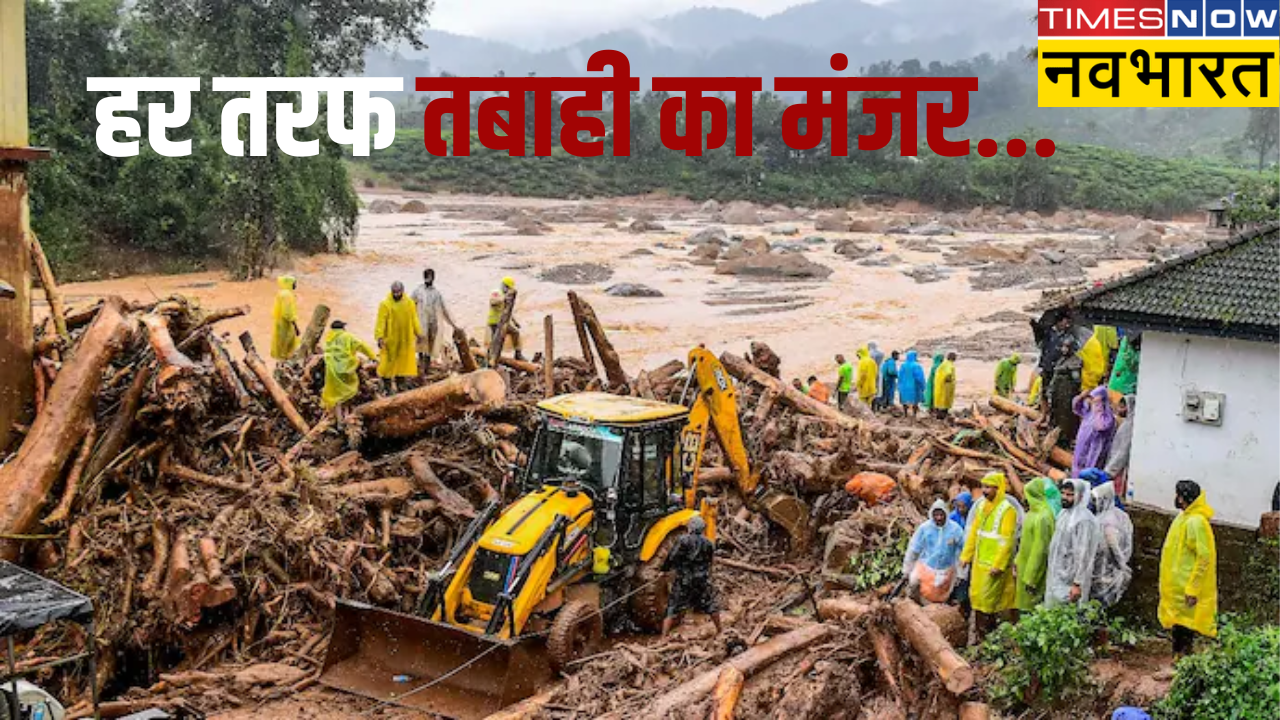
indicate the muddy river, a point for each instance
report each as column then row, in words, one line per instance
column 805, row 322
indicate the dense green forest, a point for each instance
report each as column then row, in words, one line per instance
column 95, row 213
column 99, row 214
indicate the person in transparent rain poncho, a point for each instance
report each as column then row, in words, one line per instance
column 1111, row 571
column 1074, row 548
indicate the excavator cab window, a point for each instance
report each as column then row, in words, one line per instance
column 563, row 451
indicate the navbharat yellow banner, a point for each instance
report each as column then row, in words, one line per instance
column 1159, row 72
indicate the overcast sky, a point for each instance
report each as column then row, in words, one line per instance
column 542, row 22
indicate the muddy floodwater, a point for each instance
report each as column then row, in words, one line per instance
column 807, row 322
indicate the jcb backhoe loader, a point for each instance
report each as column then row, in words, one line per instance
column 610, row 482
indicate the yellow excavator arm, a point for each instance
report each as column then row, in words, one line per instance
column 716, row 406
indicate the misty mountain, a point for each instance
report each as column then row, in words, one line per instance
column 717, row 41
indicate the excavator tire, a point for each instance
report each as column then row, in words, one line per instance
column 575, row 633
column 649, row 604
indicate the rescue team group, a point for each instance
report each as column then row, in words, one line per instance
column 406, row 332
column 994, row 557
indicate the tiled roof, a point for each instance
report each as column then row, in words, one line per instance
column 1230, row 289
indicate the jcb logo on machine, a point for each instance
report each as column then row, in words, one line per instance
column 690, row 454
column 721, row 380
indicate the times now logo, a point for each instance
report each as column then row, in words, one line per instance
column 1159, row 18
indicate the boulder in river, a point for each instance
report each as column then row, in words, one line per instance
column 632, row 290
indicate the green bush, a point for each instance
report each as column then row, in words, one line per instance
column 1044, row 658
column 1236, row 678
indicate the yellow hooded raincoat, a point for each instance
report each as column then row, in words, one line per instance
column 399, row 330
column 284, row 338
column 1189, row 568
column 988, row 546
column 944, row 386
column 342, row 366
column 866, row 375
column 1095, row 354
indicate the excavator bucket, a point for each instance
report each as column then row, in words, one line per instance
column 788, row 512
column 413, row 662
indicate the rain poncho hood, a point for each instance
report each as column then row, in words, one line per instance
column 341, row 367
column 1124, row 376
column 1053, row 496
column 1111, row 571
column 989, row 544
column 1097, row 428
column 284, row 338
column 1094, row 356
column 399, row 330
column 944, row 386
column 931, row 383
column 961, row 513
column 911, row 380
column 1032, row 561
column 1073, row 550
column 1189, row 567
column 866, row 375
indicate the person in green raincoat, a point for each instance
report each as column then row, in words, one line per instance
column 988, row 552
column 341, row 367
column 1124, row 376
column 1007, row 375
column 928, row 385
column 1033, row 549
column 284, row 319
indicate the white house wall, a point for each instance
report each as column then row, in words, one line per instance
column 1238, row 463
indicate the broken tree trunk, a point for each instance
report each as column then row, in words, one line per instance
column 410, row 413
column 745, row 371
column 843, row 608
column 927, row 639
column 500, row 333
column 1060, row 457
column 175, row 378
column 26, row 480
column 311, row 337
column 463, row 346
column 277, row 393
column 726, row 693
column 584, row 339
column 974, row 711
column 523, row 366
column 1009, row 407
column 748, row 662
column 56, row 308
column 617, row 378
column 60, row 513
column 117, row 434
column 227, row 372
column 887, row 657
column 386, row 490
column 548, row 357
column 448, row 502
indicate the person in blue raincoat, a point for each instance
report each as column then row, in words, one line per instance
column 933, row 556
column 888, row 381
column 911, row 382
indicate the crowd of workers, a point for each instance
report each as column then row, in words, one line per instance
column 880, row 382
column 407, row 333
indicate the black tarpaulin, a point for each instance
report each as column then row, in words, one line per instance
column 28, row 601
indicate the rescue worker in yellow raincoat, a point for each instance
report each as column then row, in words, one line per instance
column 1096, row 355
column 284, row 319
column 341, row 367
column 498, row 303
column 988, row 548
column 867, row 372
column 397, row 333
column 1189, row 571
column 944, row 387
